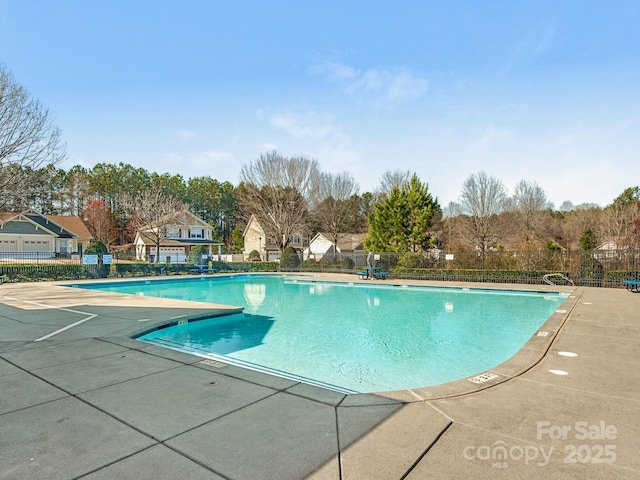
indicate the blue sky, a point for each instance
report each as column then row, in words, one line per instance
column 544, row 91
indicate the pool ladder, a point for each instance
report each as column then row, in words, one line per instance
column 560, row 275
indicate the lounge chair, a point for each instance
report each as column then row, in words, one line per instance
column 633, row 285
column 202, row 269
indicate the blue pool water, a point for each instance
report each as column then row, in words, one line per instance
column 351, row 337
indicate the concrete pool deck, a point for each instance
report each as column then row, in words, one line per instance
column 80, row 399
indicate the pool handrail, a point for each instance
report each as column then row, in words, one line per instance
column 560, row 275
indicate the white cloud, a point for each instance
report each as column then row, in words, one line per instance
column 390, row 87
column 216, row 157
column 303, row 125
column 404, row 86
column 387, row 86
column 186, row 136
column 313, row 134
column 334, row 70
column 371, row 80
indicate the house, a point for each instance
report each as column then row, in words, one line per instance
column 255, row 239
column 321, row 246
column 187, row 232
column 610, row 245
column 30, row 233
column 609, row 250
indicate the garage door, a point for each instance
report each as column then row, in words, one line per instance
column 8, row 246
column 176, row 253
column 36, row 246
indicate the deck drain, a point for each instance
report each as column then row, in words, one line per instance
column 485, row 377
column 213, row 363
column 542, row 333
column 210, row 384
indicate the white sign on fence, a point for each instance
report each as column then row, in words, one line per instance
column 107, row 259
column 90, row 259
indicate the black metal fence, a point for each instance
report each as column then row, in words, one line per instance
column 606, row 268
column 39, row 266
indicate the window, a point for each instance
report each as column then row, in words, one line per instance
column 196, row 233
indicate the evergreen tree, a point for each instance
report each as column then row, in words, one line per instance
column 403, row 221
column 237, row 241
column 588, row 240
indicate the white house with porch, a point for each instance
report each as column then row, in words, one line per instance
column 188, row 232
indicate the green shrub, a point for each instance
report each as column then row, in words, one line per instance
column 476, row 275
column 96, row 247
column 100, row 270
column 289, row 258
column 591, row 272
column 621, row 275
column 553, row 246
column 235, row 267
column 348, row 263
column 410, row 260
column 616, row 278
column 254, row 256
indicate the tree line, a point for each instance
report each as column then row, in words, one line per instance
column 293, row 197
column 107, row 190
column 290, row 197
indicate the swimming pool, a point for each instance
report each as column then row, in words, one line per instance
column 349, row 336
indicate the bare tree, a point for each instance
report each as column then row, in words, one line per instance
column 273, row 169
column 567, row 206
column 584, row 217
column 337, row 210
column 153, row 213
column 28, row 138
column 390, row 179
column 618, row 218
column 530, row 204
column 483, row 199
column 279, row 191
